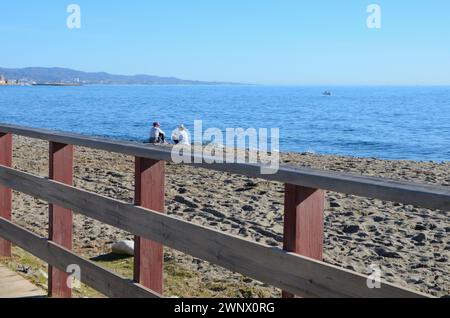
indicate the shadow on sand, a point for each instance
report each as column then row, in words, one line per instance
column 111, row 257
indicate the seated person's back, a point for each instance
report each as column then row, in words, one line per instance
column 156, row 134
column 182, row 135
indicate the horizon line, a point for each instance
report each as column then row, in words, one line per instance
column 236, row 82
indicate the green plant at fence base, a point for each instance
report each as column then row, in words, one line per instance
column 179, row 281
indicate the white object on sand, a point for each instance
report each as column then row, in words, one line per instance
column 124, row 248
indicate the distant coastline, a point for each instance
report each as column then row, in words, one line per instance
column 57, row 84
column 44, row 75
column 6, row 82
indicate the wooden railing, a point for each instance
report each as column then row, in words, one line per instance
column 297, row 269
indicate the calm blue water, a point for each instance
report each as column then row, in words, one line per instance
column 383, row 122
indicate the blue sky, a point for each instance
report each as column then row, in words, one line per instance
column 254, row 41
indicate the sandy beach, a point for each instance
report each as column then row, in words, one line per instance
column 411, row 245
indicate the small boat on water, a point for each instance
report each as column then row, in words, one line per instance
column 327, row 93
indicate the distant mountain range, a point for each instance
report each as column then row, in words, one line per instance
column 65, row 75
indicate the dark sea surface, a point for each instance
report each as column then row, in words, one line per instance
column 382, row 122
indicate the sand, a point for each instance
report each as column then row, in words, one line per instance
column 411, row 245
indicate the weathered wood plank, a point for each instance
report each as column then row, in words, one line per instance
column 304, row 210
column 14, row 286
column 150, row 194
column 5, row 193
column 287, row 271
column 102, row 280
column 60, row 219
column 427, row 196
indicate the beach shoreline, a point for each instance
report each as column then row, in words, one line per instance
column 411, row 245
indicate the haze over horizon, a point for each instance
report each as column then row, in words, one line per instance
column 257, row 42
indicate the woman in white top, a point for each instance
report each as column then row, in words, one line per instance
column 181, row 137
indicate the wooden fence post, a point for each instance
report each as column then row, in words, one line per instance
column 304, row 223
column 150, row 194
column 60, row 219
column 5, row 193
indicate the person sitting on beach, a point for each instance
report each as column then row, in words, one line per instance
column 181, row 136
column 157, row 136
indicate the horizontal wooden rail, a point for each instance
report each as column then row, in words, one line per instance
column 422, row 195
column 293, row 273
column 100, row 279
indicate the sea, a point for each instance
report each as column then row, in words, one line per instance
column 385, row 122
